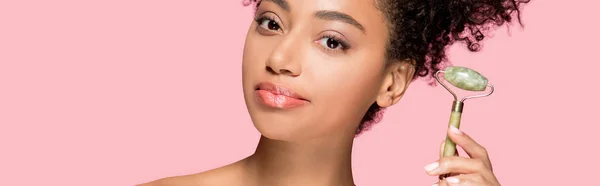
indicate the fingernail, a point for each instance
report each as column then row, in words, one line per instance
column 455, row 130
column 435, row 184
column 452, row 180
column 432, row 166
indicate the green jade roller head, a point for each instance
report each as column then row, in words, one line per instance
column 466, row 79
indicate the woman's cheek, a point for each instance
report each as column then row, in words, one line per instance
column 342, row 101
column 339, row 86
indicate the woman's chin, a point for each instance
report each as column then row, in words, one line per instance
column 281, row 125
column 279, row 133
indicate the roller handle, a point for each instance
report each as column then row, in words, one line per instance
column 449, row 145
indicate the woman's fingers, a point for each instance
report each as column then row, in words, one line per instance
column 456, row 165
column 465, row 180
column 470, row 146
column 463, row 171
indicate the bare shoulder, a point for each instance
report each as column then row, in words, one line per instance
column 226, row 175
column 170, row 181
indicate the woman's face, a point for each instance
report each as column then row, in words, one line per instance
column 312, row 68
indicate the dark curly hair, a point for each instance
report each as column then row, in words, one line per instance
column 421, row 30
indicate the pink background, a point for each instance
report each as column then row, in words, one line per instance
column 123, row 92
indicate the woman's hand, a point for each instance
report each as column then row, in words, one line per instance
column 473, row 171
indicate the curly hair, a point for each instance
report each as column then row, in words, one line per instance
column 422, row 30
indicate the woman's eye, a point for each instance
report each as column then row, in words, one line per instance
column 330, row 43
column 270, row 24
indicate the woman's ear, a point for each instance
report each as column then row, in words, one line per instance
column 397, row 77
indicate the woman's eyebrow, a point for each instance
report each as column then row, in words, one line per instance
column 339, row 16
column 281, row 3
column 324, row 14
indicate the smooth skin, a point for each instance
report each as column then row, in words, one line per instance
column 332, row 52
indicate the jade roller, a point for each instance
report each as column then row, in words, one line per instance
column 465, row 79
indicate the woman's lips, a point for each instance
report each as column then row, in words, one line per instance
column 278, row 96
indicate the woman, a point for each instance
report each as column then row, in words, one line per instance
column 318, row 72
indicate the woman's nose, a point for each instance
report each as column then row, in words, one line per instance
column 286, row 57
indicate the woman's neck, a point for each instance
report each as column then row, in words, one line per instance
column 317, row 163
